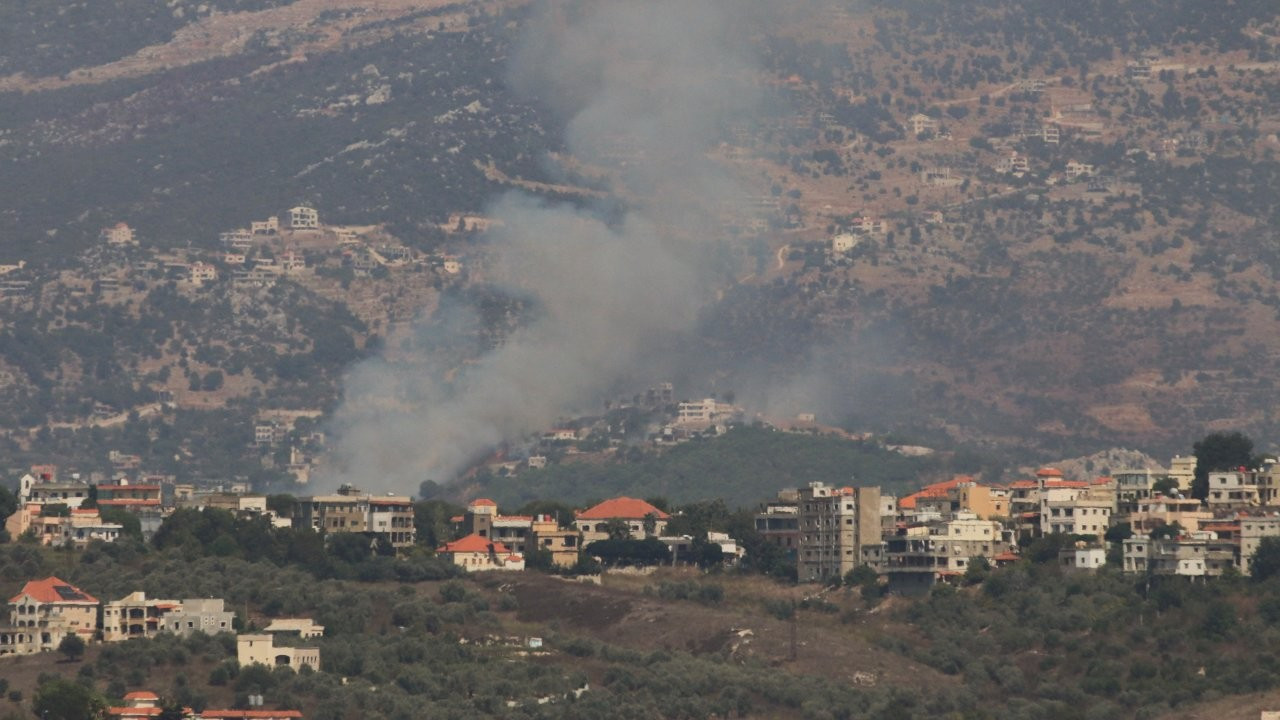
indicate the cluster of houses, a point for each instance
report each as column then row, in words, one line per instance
column 492, row 541
column 68, row 512
column 45, row 612
column 934, row 535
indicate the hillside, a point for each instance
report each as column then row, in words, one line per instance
column 1061, row 221
column 744, row 467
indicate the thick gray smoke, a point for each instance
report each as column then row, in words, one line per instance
column 645, row 88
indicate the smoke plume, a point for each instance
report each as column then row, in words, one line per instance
column 645, row 89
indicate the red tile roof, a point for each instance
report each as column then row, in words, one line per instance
column 622, row 507
column 141, row 695
column 1048, row 472
column 129, row 501
column 474, row 543
column 261, row 714
column 484, row 502
column 932, row 491
column 53, row 590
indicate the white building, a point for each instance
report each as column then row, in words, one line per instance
column 303, row 218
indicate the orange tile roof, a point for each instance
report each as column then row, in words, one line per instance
column 474, row 543
column 622, row 507
column 53, row 590
column 1005, row 556
column 939, row 489
column 456, row 519
column 484, row 502
column 261, row 714
column 1048, row 472
column 1023, row 485
column 1065, row 484
column 129, row 501
column 141, row 695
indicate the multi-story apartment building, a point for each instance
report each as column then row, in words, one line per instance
column 778, row 522
column 392, row 518
column 1232, row 489
column 136, row 616
column 919, row 556
column 389, row 518
column 1135, row 485
column 835, row 525
column 1252, row 529
column 1182, row 470
column 1197, row 554
column 1159, row 510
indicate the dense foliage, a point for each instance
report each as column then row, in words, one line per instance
column 743, row 467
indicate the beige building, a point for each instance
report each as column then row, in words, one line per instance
column 1182, row 469
column 137, row 616
column 262, row 650
column 641, row 518
column 43, row 613
column 303, row 218
column 474, row 553
column 835, row 525
column 1232, row 489
column 302, row 627
column 1252, row 530
column 1154, row 512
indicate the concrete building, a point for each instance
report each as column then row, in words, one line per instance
column 1232, row 489
column 1082, row 557
column 262, row 650
column 303, row 218
column 1159, row 510
column 835, row 525
column 1197, row 554
column 391, row 518
column 1182, row 469
column 778, row 522
column 1135, row 485
column 388, row 518
column 43, row 488
column 917, row 557
column 137, row 616
column 1252, row 529
column 1076, row 511
column 130, row 496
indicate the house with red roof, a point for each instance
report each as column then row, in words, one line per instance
column 144, row 704
column 475, row 553
column 43, row 613
column 521, row 533
column 642, row 519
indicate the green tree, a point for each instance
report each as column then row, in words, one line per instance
column 617, row 529
column 1265, row 562
column 72, row 647
column 64, row 699
column 1219, row 451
